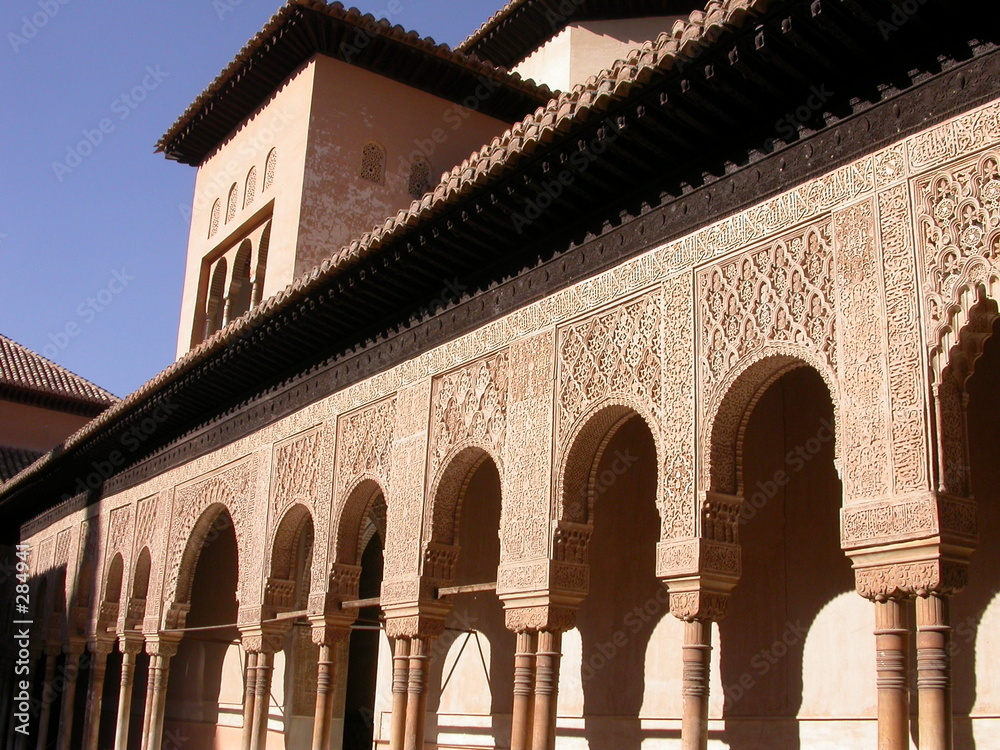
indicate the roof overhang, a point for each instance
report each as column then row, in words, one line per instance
column 522, row 26
column 302, row 29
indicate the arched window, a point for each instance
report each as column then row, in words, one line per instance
column 373, row 162
column 420, row 177
column 213, row 226
column 231, row 206
column 215, row 305
column 258, row 279
column 239, row 287
column 269, row 167
column 250, row 192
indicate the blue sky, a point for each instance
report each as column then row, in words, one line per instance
column 92, row 224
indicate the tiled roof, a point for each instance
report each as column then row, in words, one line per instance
column 487, row 166
column 30, row 373
column 302, row 28
column 12, row 460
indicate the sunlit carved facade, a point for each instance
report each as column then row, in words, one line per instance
column 689, row 457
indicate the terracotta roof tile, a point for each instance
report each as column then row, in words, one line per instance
column 26, row 370
column 13, row 460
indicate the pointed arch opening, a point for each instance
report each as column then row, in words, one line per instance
column 609, row 526
column 215, row 304
column 360, row 542
column 240, row 290
column 205, row 690
column 774, row 446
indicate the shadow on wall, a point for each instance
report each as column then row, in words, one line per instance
column 626, row 600
column 793, row 568
column 980, row 599
column 473, row 672
column 196, row 672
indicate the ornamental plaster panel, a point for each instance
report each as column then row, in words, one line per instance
column 524, row 516
column 866, row 468
column 908, row 387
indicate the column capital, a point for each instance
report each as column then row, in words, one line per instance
column 902, row 579
column 328, row 631
column 163, row 644
column 548, row 618
column 101, row 646
column 265, row 639
column 131, row 643
column 699, row 599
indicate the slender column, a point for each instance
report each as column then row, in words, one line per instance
column 130, row 650
column 524, row 691
column 324, row 703
column 416, row 697
column 934, row 673
column 250, row 681
column 95, row 693
column 400, row 680
column 262, row 699
column 543, row 735
column 891, row 636
column 48, row 695
column 65, row 735
column 147, row 711
column 160, row 653
column 697, row 666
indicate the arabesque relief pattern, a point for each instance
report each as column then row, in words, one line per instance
column 836, row 272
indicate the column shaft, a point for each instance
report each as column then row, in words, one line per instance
column 934, row 673
column 262, row 700
column 65, row 735
column 95, row 697
column 125, row 699
column 324, row 702
column 400, row 680
column 147, row 710
column 160, row 676
column 249, row 694
column 524, row 691
column 48, row 695
column 416, row 694
column 543, row 730
column 697, row 656
column 891, row 642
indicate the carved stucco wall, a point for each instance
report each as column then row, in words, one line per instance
column 867, row 274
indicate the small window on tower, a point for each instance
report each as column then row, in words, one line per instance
column 269, row 167
column 420, row 177
column 373, row 162
column 231, row 206
column 213, row 226
column 251, row 189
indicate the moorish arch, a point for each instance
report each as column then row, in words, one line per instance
column 578, row 477
column 201, row 690
column 449, row 489
column 740, row 391
column 775, row 497
column 287, row 590
column 952, row 369
column 475, row 651
column 356, row 573
column 610, row 526
column 969, row 414
column 360, row 514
